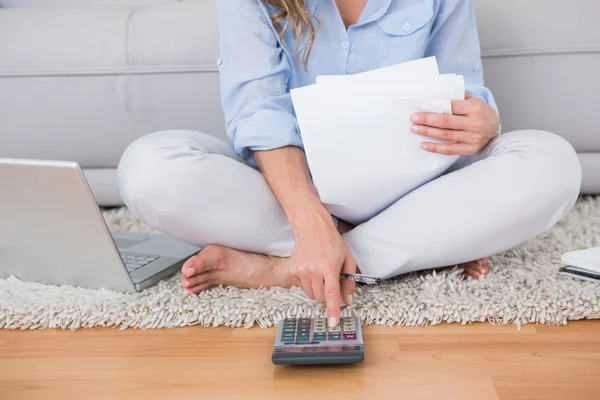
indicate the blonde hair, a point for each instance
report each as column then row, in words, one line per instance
column 295, row 16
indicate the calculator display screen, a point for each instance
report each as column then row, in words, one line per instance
column 316, row 349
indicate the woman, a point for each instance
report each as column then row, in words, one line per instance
column 252, row 206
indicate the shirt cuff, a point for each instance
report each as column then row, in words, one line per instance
column 266, row 130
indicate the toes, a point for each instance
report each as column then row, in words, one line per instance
column 199, row 288
column 200, row 279
column 187, row 269
column 475, row 270
column 208, row 259
column 472, row 272
column 484, row 265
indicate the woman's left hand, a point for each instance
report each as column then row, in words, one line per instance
column 472, row 126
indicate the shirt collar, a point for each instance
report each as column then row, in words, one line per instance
column 374, row 10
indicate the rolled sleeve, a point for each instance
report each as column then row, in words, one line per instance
column 454, row 40
column 254, row 73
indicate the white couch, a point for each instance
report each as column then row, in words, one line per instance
column 81, row 79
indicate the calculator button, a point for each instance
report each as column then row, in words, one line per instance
column 304, row 321
column 335, row 329
column 334, row 337
column 319, row 337
column 319, row 329
column 303, row 338
column 350, row 336
column 287, row 339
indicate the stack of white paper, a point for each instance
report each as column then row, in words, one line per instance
column 356, row 133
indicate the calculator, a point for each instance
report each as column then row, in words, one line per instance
column 310, row 341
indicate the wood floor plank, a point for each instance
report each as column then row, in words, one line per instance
column 584, row 325
column 577, row 386
column 220, row 331
column 453, row 329
column 478, row 361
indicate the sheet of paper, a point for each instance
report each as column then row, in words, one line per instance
column 450, row 87
column 416, row 70
column 356, row 133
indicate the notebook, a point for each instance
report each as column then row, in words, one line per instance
column 582, row 264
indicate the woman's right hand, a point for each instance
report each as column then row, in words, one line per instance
column 320, row 254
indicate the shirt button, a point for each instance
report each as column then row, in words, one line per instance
column 345, row 45
column 407, row 26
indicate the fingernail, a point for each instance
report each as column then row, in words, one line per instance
column 415, row 128
column 332, row 322
column 425, row 147
column 350, row 300
column 190, row 272
column 482, row 271
column 186, row 284
column 414, row 118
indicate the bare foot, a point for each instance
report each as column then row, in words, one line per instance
column 476, row 269
column 218, row 265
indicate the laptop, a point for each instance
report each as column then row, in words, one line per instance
column 52, row 231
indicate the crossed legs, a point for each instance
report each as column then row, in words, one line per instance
column 194, row 187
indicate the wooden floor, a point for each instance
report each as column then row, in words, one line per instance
column 443, row 362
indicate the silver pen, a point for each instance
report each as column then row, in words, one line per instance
column 369, row 280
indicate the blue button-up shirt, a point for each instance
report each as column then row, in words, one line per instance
column 258, row 70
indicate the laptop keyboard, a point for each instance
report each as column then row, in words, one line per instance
column 134, row 261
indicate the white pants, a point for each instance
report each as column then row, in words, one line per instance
column 194, row 187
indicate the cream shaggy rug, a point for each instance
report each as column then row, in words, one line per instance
column 523, row 287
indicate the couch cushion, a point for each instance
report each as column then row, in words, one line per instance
column 81, row 84
column 105, row 40
column 515, row 27
column 82, row 3
column 541, row 59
